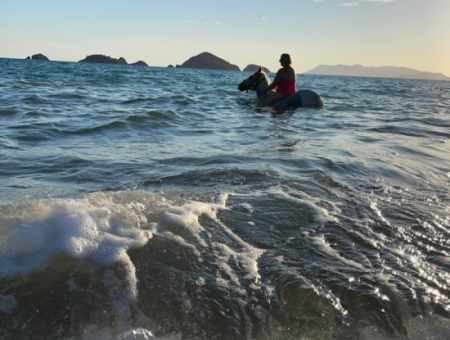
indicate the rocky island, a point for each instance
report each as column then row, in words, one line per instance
column 102, row 59
column 139, row 63
column 380, row 72
column 254, row 68
column 39, row 56
column 208, row 61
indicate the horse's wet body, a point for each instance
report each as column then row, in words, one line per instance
column 303, row 98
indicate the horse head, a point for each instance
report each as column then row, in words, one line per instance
column 255, row 82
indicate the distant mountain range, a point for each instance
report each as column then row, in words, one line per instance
column 380, row 72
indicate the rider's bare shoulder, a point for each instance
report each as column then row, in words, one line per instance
column 286, row 72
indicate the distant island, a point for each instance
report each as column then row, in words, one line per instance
column 139, row 63
column 254, row 68
column 380, row 72
column 208, row 61
column 103, row 59
column 39, row 56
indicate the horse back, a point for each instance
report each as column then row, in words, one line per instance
column 303, row 98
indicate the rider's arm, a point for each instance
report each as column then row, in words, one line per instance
column 275, row 81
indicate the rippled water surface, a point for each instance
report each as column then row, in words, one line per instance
column 152, row 203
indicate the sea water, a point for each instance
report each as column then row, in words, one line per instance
column 154, row 203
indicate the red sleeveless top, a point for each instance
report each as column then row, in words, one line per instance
column 287, row 87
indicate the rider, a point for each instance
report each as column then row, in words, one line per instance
column 284, row 82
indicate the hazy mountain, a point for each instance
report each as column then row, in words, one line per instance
column 381, row 72
column 208, row 61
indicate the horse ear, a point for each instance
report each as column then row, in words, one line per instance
column 260, row 69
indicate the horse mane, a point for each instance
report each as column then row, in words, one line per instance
column 265, row 75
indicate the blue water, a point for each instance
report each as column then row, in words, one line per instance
column 138, row 201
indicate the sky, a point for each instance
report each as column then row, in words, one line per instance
column 410, row 33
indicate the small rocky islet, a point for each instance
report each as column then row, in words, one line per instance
column 38, row 56
column 140, row 63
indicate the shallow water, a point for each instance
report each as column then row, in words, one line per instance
column 138, row 201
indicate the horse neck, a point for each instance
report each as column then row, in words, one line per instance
column 263, row 85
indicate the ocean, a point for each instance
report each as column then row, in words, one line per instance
column 156, row 203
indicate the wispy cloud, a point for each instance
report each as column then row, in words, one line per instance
column 318, row 0
column 347, row 4
column 263, row 18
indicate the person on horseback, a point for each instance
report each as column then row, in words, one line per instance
column 286, row 94
column 284, row 84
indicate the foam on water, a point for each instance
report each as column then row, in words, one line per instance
column 320, row 214
column 101, row 228
column 187, row 216
column 76, row 228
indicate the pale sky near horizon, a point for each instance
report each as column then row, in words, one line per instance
column 411, row 33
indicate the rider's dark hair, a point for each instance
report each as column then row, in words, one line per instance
column 286, row 59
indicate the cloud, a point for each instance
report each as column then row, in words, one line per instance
column 263, row 18
column 218, row 23
column 318, row 0
column 347, row 4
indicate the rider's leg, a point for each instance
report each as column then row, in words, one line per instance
column 273, row 98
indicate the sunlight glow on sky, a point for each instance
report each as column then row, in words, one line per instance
column 411, row 33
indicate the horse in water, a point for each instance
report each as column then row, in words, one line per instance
column 259, row 82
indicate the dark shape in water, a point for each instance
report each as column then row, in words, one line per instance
column 103, row 59
column 170, row 66
column 254, row 68
column 209, row 61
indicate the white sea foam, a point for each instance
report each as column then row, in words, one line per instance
column 90, row 228
column 248, row 207
column 242, row 253
column 321, row 215
column 137, row 334
column 102, row 228
column 77, row 229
